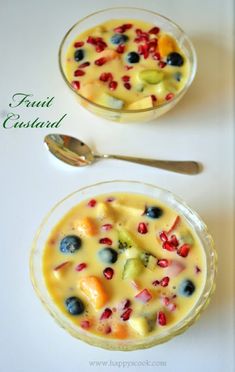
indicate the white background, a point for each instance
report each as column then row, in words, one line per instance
column 199, row 128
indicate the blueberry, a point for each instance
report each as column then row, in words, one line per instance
column 74, row 305
column 178, row 76
column 79, row 55
column 186, row 288
column 119, row 39
column 133, row 57
column 174, row 59
column 108, row 255
column 70, row 244
column 154, row 212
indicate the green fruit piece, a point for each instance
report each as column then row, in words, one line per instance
column 110, row 101
column 148, row 260
column 125, row 240
column 187, row 238
column 151, row 76
column 132, row 268
column 140, row 325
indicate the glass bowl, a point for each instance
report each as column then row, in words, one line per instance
column 62, row 207
column 166, row 24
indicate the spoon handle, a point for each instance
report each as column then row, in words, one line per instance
column 185, row 167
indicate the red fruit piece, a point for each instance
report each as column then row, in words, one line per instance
column 163, row 262
column 197, row 269
column 125, row 78
column 156, row 56
column 165, row 281
column 125, row 304
column 127, row 86
column 79, row 73
column 175, row 225
column 84, row 64
column 142, row 228
column 168, row 246
column 113, row 85
column 162, row 64
column 108, row 273
column 144, row 296
column 92, row 203
column 154, row 30
column 106, row 227
column 163, row 236
column 81, row 266
column 174, row 241
column 106, row 76
column 156, row 282
column 171, row 307
column 107, row 330
column 106, row 314
column 76, row 85
column 169, row 96
column 183, row 251
column 120, row 49
column 61, row 265
column 99, row 48
column 85, row 324
column 91, row 40
column 165, row 301
column 78, row 44
column 105, row 241
column 153, row 98
column 101, row 61
column 128, row 67
column 161, row 318
column 126, row 315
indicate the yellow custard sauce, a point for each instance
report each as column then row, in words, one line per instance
column 126, row 64
column 124, row 266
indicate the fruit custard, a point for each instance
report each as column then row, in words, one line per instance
column 126, row 65
column 124, row 266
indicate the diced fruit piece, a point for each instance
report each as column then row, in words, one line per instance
column 76, row 85
column 124, row 304
column 140, row 325
column 86, row 226
column 161, row 318
column 142, row 228
column 175, row 268
column 154, row 212
column 70, row 244
column 151, row 76
column 105, row 241
column 92, row 203
column 162, row 64
column 84, row 64
column 78, row 44
column 186, row 288
column 155, row 30
column 79, row 55
column 174, row 241
column 169, row 246
column 108, row 273
column 169, row 96
column 141, row 104
column 126, row 314
column 166, row 45
column 144, row 296
column 85, row 324
column 165, row 281
column 163, row 263
column 183, row 251
column 132, row 57
column 81, row 266
column 110, row 101
column 107, row 227
column 106, row 314
column 108, row 255
column 148, row 260
column 187, row 238
column 109, row 54
column 127, row 86
column 120, row 330
column 125, row 240
column 100, row 61
column 113, row 85
column 132, row 268
column 79, row 72
column 119, row 39
column 163, row 236
column 175, row 59
column 74, row 305
column 106, row 76
column 93, row 289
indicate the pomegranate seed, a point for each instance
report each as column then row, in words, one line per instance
column 174, row 241
column 162, row 64
column 197, row 269
column 78, row 44
column 156, row 56
column 126, row 315
column 142, row 228
column 79, row 73
column 105, row 241
column 126, row 304
column 99, row 48
column 125, row 78
column 106, row 314
column 81, row 266
column 127, row 26
column 91, row 40
column 163, row 263
column 127, row 86
column 168, row 246
column 169, row 96
column 165, row 281
column 92, row 203
column 175, row 224
column 161, row 318
column 61, row 265
column 85, row 324
column 183, row 251
column 154, row 30
column 84, row 64
column 110, row 199
column 107, row 330
column 163, row 236
column 165, row 301
column 155, row 282
column 154, row 98
column 119, row 29
column 108, row 273
column 76, row 84
column 113, row 85
column 138, row 31
column 128, row 67
column 120, row 49
column 101, row 61
column 106, row 227
column 106, row 76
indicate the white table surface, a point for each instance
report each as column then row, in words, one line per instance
column 199, row 128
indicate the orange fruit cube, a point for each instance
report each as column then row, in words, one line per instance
column 93, row 289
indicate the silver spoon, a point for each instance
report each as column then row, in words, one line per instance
column 75, row 152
